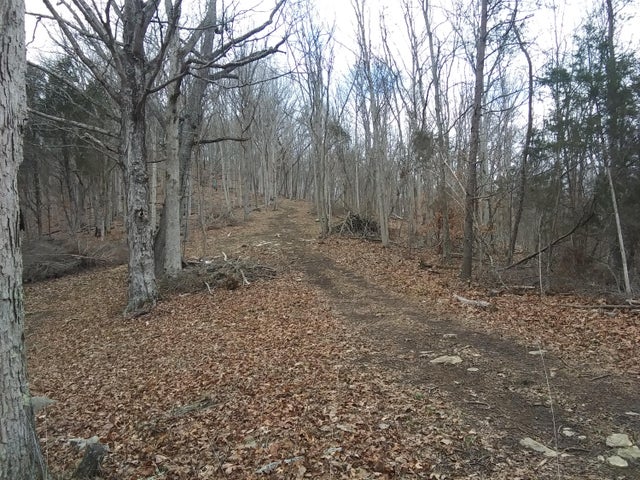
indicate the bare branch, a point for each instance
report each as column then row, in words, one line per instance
column 83, row 126
column 222, row 139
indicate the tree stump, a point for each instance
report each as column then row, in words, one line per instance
column 90, row 465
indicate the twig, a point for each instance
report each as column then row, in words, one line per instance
column 244, row 278
column 209, row 288
column 564, row 361
column 600, row 377
column 553, row 414
column 477, row 402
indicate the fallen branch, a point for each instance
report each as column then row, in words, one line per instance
column 581, row 223
column 475, row 303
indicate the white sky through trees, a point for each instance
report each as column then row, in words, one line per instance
column 567, row 16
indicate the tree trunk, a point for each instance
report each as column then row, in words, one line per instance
column 152, row 168
column 20, row 455
column 443, row 137
column 193, row 120
column 612, row 151
column 525, row 153
column 171, row 257
column 472, row 164
column 142, row 280
column 38, row 193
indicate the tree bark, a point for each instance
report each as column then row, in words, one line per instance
column 472, row 163
column 20, row 455
column 613, row 131
column 142, row 281
column 170, row 262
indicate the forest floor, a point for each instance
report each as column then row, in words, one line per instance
column 325, row 370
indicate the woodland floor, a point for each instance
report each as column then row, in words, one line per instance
column 324, row 371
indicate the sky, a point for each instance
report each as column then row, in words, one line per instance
column 341, row 13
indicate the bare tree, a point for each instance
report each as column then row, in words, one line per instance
column 442, row 138
column 208, row 54
column 20, row 455
column 374, row 79
column 526, row 149
column 315, row 85
column 472, row 162
column 612, row 131
column 168, row 258
column 117, row 37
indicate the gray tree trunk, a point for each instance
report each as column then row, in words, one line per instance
column 171, row 261
column 472, row 163
column 613, row 131
column 525, row 152
column 142, row 280
column 20, row 455
column 136, row 74
column 443, row 136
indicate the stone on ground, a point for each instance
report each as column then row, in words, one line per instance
column 617, row 461
column 538, row 447
column 618, row 440
column 447, row 360
column 630, row 453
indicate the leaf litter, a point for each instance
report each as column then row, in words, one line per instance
column 267, row 379
column 233, row 385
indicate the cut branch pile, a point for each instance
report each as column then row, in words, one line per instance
column 218, row 273
column 357, row 225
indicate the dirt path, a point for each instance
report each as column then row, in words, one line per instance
column 502, row 389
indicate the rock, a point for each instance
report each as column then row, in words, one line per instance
column 617, row 461
column 450, row 335
column 567, row 432
column 472, row 369
column 447, row 359
column 618, row 440
column 538, row 447
column 537, row 352
column 630, row 453
column 40, row 403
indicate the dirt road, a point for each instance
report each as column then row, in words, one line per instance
column 505, row 391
